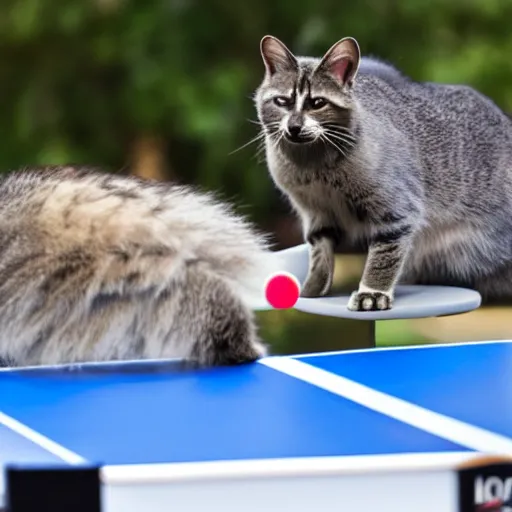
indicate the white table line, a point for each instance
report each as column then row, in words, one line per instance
column 40, row 440
column 429, row 421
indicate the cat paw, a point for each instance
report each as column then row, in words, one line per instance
column 370, row 301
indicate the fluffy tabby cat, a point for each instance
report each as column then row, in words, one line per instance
column 103, row 267
column 421, row 173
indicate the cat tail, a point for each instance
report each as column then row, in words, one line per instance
column 125, row 304
column 196, row 312
column 211, row 312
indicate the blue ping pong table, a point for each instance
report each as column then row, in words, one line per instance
column 378, row 429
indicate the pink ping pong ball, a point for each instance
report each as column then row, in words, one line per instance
column 282, row 290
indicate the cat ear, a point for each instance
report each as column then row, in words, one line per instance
column 342, row 60
column 276, row 56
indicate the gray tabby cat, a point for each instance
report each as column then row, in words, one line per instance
column 420, row 173
column 104, row 267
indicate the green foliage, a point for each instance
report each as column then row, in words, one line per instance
column 82, row 81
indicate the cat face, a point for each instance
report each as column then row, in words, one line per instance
column 305, row 100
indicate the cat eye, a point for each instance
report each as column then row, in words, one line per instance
column 318, row 103
column 282, row 101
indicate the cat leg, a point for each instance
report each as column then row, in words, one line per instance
column 322, row 240
column 385, row 260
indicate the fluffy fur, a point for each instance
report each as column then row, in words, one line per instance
column 104, row 267
column 420, row 173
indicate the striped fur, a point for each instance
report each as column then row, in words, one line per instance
column 420, row 173
column 97, row 267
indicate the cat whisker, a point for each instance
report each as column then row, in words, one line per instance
column 337, row 127
column 340, row 130
column 333, row 144
column 261, row 148
column 279, row 139
column 272, row 127
column 272, row 124
column 273, row 137
column 340, row 138
column 260, row 135
column 259, row 151
column 338, row 135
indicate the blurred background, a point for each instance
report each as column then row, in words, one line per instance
column 162, row 89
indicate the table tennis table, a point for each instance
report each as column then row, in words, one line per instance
column 388, row 429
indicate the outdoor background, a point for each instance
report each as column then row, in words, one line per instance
column 162, row 88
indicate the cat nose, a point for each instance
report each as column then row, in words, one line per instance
column 294, row 129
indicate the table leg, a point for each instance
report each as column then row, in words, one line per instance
column 368, row 339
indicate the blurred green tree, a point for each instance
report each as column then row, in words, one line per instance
column 167, row 84
column 163, row 88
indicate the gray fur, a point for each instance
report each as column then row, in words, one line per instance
column 103, row 267
column 421, row 173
